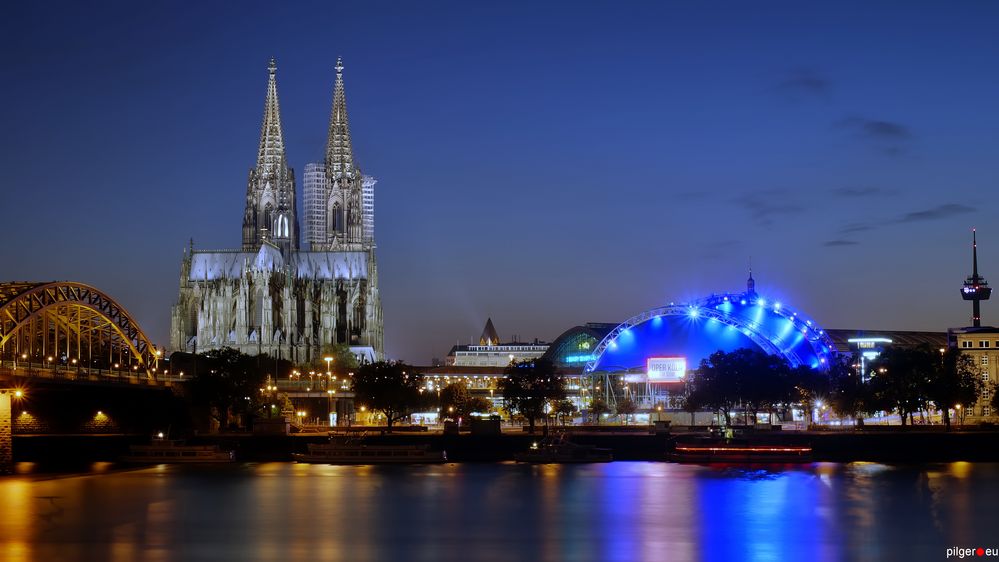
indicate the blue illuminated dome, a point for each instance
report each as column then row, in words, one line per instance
column 720, row 322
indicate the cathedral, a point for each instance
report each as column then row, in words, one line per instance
column 271, row 296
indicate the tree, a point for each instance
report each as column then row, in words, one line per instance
column 478, row 404
column 229, row 384
column 344, row 361
column 809, row 386
column 457, row 402
column 848, row 395
column 392, row 388
column 900, row 378
column 752, row 378
column 452, row 400
column 767, row 382
column 598, row 407
column 565, row 409
column 692, row 400
column 528, row 386
column 708, row 381
column 625, row 407
column 953, row 380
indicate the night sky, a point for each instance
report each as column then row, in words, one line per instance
column 544, row 164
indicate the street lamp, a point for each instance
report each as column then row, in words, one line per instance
column 329, row 372
column 329, row 404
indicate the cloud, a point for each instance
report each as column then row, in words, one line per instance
column 858, row 192
column 943, row 211
column 888, row 137
column 856, row 227
column 938, row 212
column 802, row 82
column 765, row 205
column 876, row 129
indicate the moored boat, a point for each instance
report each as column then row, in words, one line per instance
column 350, row 451
column 559, row 449
column 714, row 450
column 174, row 451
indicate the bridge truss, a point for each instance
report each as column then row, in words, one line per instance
column 71, row 325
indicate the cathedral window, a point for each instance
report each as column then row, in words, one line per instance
column 257, row 314
column 336, row 218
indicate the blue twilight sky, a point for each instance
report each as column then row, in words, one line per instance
column 542, row 163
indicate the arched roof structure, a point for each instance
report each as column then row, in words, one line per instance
column 724, row 322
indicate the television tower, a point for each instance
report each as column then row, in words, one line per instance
column 976, row 288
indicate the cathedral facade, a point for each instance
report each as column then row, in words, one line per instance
column 270, row 296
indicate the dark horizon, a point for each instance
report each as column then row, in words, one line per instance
column 542, row 165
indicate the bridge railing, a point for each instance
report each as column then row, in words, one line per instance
column 72, row 372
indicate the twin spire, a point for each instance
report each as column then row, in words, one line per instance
column 270, row 156
column 270, row 213
column 339, row 151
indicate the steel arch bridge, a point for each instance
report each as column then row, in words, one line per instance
column 69, row 323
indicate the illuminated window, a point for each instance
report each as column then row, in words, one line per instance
column 985, row 359
column 986, row 410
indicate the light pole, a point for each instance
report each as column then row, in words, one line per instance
column 329, row 372
column 329, row 405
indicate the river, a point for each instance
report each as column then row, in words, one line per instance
column 503, row 511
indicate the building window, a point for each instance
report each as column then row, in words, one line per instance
column 966, row 343
column 986, row 410
column 985, row 359
column 983, row 343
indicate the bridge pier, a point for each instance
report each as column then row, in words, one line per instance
column 6, row 430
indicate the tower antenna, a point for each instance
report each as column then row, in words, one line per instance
column 976, row 288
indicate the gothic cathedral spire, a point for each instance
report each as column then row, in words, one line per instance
column 339, row 151
column 270, row 192
column 271, row 156
column 343, row 202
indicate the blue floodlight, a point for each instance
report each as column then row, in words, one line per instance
column 669, row 331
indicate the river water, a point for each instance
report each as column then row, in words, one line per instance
column 504, row 511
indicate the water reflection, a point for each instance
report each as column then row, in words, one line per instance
column 615, row 511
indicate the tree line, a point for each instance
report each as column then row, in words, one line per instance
column 904, row 380
column 227, row 387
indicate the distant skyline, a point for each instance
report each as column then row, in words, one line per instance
column 542, row 164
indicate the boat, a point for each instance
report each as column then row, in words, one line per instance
column 737, row 450
column 356, row 451
column 175, row 451
column 558, row 449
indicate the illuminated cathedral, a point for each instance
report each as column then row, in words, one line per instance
column 271, row 296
